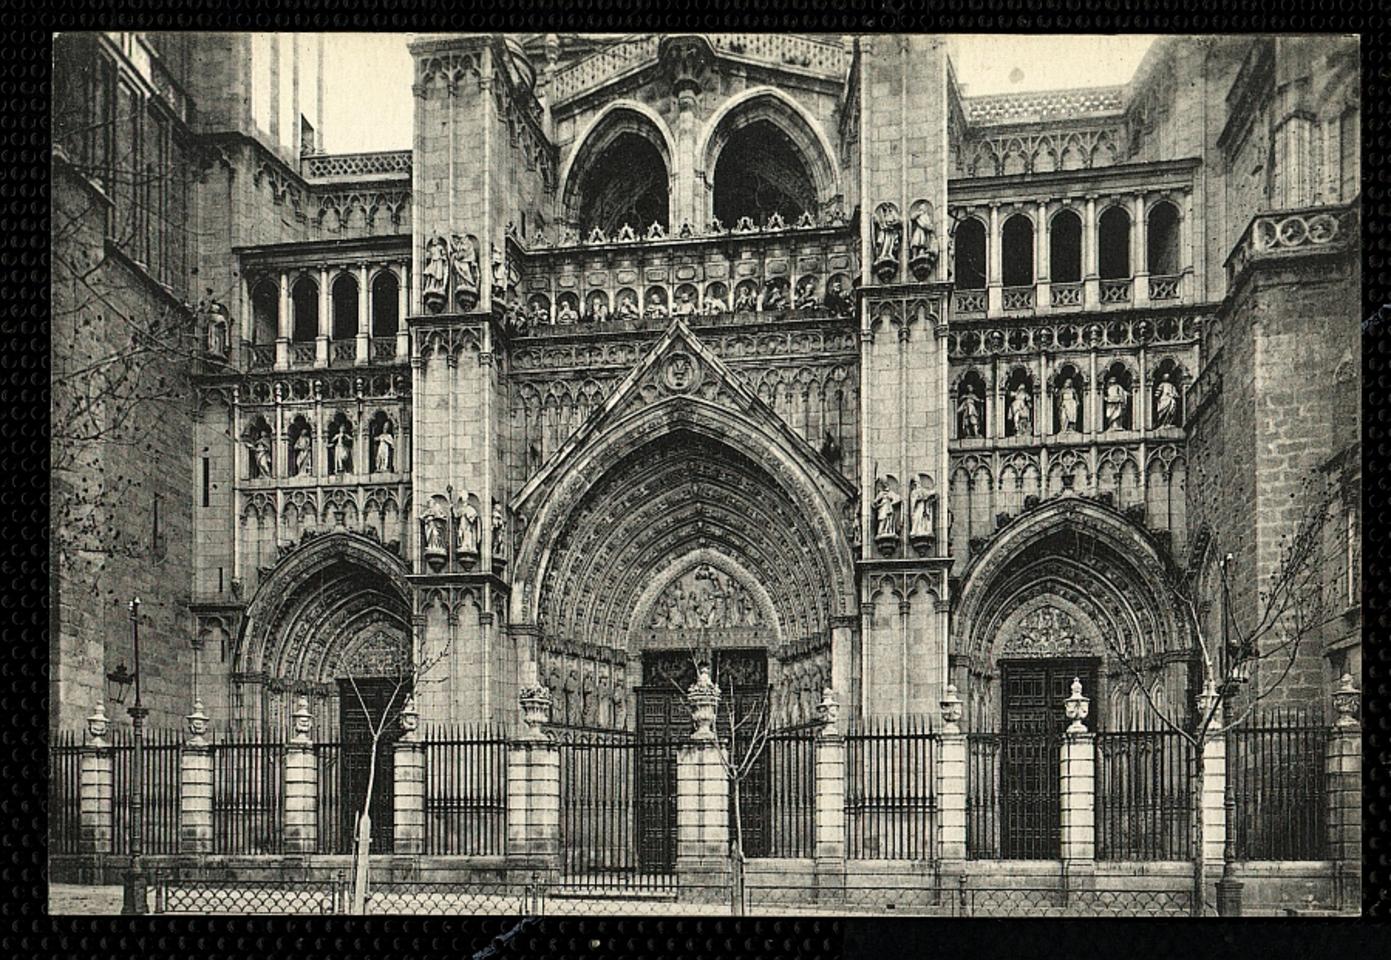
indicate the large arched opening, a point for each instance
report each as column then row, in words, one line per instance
column 620, row 175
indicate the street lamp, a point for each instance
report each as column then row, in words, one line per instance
column 135, row 885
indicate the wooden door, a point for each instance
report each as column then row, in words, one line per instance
column 356, row 753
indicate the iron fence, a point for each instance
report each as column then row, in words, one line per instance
column 1013, row 796
column 278, row 896
column 64, row 801
column 1059, row 901
column 600, row 814
column 248, row 796
column 161, row 753
column 982, row 796
column 1143, row 804
column 890, row 789
column 333, row 833
column 786, row 778
column 1278, row 781
column 465, row 791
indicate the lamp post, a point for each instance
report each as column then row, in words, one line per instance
column 135, row 885
column 1228, row 887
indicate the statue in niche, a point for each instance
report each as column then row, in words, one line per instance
column 685, row 306
column 499, row 532
column 467, row 535
column 499, row 274
column 463, row 253
column 888, row 236
column 714, row 304
column 922, row 240
column 1068, row 406
column 774, row 299
column 538, row 314
column 566, row 315
column 435, row 275
column 1114, row 402
column 1021, row 411
column 806, row 294
column 921, row 507
column 434, row 533
column 342, row 444
column 831, row 450
column 886, row 507
column 303, row 451
column 598, row 310
column 744, row 300
column 837, row 301
column 656, row 310
column 1165, row 402
column 260, row 456
column 627, row 310
column 385, row 444
column 968, row 410
column 216, row 318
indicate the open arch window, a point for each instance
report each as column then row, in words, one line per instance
column 1162, row 240
column 1065, row 248
column 345, row 319
column 305, row 298
column 1017, row 251
column 386, row 291
column 970, row 255
column 265, row 312
column 761, row 172
column 626, row 183
column 1113, row 244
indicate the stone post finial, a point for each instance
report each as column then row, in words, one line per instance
column 303, row 722
column 410, row 719
column 535, row 701
column 1207, row 699
column 704, row 698
column 1077, row 707
column 1347, row 703
column 98, row 725
column 951, row 710
column 828, row 711
column 197, row 724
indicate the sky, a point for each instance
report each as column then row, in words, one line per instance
column 368, row 104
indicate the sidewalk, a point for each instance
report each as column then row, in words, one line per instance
column 70, row 898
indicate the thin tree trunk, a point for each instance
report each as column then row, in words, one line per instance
column 364, row 836
column 737, row 857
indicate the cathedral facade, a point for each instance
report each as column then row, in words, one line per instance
column 782, row 352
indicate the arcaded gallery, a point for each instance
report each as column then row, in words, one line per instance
column 717, row 465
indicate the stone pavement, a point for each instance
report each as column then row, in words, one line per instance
column 71, row 898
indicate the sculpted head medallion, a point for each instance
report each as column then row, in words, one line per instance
column 680, row 373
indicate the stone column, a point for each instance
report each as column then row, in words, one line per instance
column 1139, row 261
column 364, row 319
column 951, row 785
column 1043, row 289
column 282, row 325
column 301, row 785
column 1091, row 283
column 95, row 786
column 994, row 298
column 1344, row 772
column 533, row 785
column 196, row 786
column 702, row 803
column 325, row 320
column 403, row 337
column 408, row 805
column 1078, row 795
column 829, row 826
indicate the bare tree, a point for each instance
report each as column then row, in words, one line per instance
column 1257, row 651
column 407, row 675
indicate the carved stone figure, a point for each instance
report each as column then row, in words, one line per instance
column 538, row 314
column 888, row 237
column 566, row 314
column 744, row 300
column 499, row 274
column 1021, row 411
column 463, row 253
column 342, row 443
column 1165, row 402
column 774, row 297
column 922, row 240
column 1068, row 408
column 468, row 536
column 303, row 454
column 920, row 510
column 703, row 597
column 627, row 310
column 499, row 532
column 886, row 506
column 806, row 294
column 714, row 304
column 1115, row 400
column 968, row 410
column 435, row 275
column 434, row 534
column 656, row 310
column 385, row 444
column 217, row 329
column 685, row 306
column 260, row 457
column 836, row 299
column 598, row 311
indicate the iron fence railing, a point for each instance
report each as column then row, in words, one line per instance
column 890, row 789
column 1013, row 796
column 64, row 800
column 1278, row 781
column 248, row 796
column 334, row 818
column 790, row 793
column 161, row 764
column 465, row 791
column 1143, row 799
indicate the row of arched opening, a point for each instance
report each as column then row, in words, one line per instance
column 383, row 308
column 1065, row 229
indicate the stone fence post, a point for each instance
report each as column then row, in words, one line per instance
column 702, row 803
column 95, row 785
column 1078, row 795
column 1344, row 772
column 301, row 785
column 196, row 786
column 951, row 786
column 533, row 787
column 408, row 788
column 829, row 820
